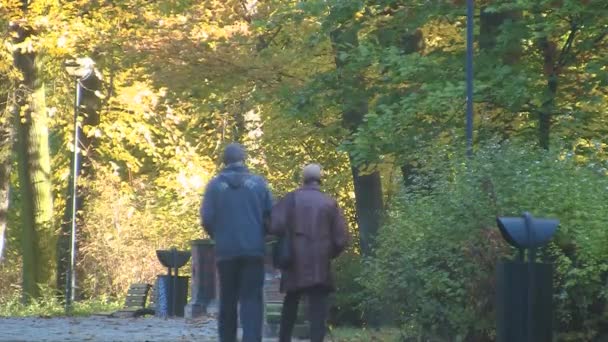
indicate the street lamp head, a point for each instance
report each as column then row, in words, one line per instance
column 79, row 67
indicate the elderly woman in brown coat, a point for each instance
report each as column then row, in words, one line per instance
column 319, row 234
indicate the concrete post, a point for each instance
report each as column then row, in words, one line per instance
column 203, row 287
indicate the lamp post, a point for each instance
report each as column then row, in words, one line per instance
column 80, row 69
column 469, row 77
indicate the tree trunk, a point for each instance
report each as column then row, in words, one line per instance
column 368, row 187
column 409, row 172
column 32, row 148
column 546, row 114
column 490, row 28
column 90, row 105
column 5, row 172
column 410, row 43
column 490, row 31
column 368, row 206
column 549, row 51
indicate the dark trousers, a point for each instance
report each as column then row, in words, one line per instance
column 241, row 281
column 317, row 313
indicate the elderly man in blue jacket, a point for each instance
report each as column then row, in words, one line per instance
column 236, row 206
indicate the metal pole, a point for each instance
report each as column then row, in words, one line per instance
column 520, row 256
column 469, row 76
column 71, row 276
column 530, row 329
column 531, row 295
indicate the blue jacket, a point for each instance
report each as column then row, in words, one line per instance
column 235, row 207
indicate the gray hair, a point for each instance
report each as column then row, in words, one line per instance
column 312, row 172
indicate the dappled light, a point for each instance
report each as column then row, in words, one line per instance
column 115, row 115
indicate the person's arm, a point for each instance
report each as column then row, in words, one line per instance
column 278, row 217
column 267, row 208
column 207, row 210
column 339, row 233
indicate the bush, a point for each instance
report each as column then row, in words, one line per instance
column 124, row 226
column 363, row 335
column 436, row 255
column 49, row 305
column 346, row 307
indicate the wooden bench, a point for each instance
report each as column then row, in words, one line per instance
column 136, row 300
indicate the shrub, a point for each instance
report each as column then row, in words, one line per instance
column 48, row 305
column 436, row 255
column 124, row 226
column 346, row 306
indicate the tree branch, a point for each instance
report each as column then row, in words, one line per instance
column 264, row 43
column 600, row 37
column 246, row 16
column 567, row 46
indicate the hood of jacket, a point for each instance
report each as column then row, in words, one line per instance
column 235, row 175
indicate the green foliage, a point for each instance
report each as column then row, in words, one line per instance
column 412, row 57
column 347, row 334
column 48, row 305
column 181, row 79
column 125, row 225
column 347, row 307
column 437, row 253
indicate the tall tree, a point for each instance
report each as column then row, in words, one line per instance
column 5, row 171
column 562, row 62
column 368, row 186
column 499, row 49
column 32, row 149
column 407, row 43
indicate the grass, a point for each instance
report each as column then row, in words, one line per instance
column 350, row 334
column 50, row 306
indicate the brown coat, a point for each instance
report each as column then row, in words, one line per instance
column 319, row 234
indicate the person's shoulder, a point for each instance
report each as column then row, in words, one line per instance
column 256, row 181
column 292, row 193
column 212, row 181
column 283, row 199
column 317, row 195
column 258, row 178
column 328, row 199
column 215, row 181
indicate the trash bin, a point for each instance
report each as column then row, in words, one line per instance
column 524, row 305
column 171, row 290
column 524, row 309
column 171, row 295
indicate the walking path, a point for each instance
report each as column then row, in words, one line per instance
column 97, row 328
column 105, row 329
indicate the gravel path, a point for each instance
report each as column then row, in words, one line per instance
column 104, row 329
